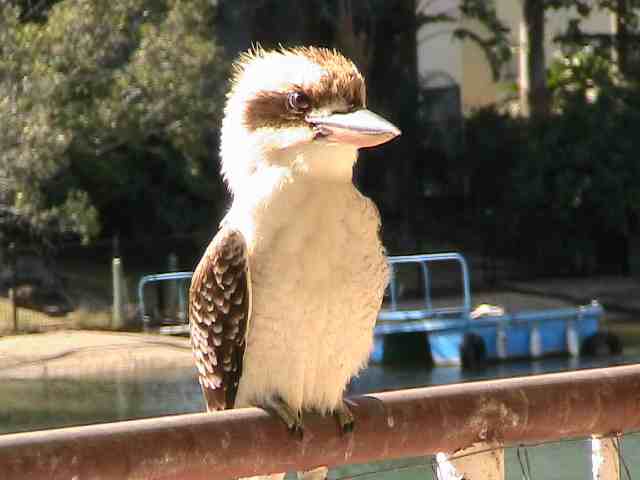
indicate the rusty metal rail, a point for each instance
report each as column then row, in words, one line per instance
column 389, row 425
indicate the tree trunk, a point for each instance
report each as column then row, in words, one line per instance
column 357, row 46
column 621, row 15
column 534, row 96
column 388, row 174
column 409, row 200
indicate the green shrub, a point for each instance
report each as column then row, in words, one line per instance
column 562, row 195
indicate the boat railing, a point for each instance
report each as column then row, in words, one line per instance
column 393, row 312
column 158, row 278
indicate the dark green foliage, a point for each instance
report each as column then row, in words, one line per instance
column 624, row 40
column 114, row 106
column 580, row 184
column 564, row 195
column 110, row 112
column 494, row 143
column 32, row 10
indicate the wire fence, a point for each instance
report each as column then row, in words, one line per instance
column 558, row 460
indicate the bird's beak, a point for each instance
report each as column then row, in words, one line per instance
column 361, row 128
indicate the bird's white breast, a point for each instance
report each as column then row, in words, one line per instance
column 318, row 274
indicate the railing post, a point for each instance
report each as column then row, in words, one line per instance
column 605, row 458
column 501, row 342
column 172, row 288
column 182, row 301
column 482, row 461
column 12, row 288
column 117, row 318
column 14, row 308
column 535, row 341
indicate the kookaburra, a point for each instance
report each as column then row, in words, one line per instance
column 285, row 298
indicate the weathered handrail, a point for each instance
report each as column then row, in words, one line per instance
column 389, row 425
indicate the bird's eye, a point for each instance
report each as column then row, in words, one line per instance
column 299, row 102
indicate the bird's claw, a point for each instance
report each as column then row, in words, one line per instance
column 291, row 418
column 345, row 418
column 296, row 430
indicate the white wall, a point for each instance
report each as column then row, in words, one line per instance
column 437, row 50
column 465, row 62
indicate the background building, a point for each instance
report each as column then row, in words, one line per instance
column 444, row 60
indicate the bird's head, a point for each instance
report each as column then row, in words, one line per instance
column 301, row 109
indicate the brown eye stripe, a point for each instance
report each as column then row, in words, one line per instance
column 269, row 109
column 342, row 84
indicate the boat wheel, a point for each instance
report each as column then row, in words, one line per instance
column 602, row 344
column 473, row 352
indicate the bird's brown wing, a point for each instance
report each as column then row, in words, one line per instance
column 219, row 309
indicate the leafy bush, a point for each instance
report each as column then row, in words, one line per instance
column 563, row 194
column 95, row 95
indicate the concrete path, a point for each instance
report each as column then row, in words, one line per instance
column 617, row 294
column 91, row 354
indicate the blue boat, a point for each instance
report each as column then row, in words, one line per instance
column 448, row 335
column 470, row 337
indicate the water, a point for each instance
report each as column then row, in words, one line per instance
column 27, row 404
column 40, row 403
column 379, row 378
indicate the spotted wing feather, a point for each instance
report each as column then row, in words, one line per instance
column 219, row 304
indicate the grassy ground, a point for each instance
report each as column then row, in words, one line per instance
column 33, row 321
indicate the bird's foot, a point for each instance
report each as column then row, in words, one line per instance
column 291, row 418
column 345, row 418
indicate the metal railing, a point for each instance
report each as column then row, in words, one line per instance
column 424, row 261
column 475, row 417
column 161, row 277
